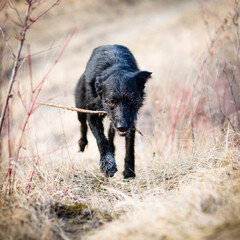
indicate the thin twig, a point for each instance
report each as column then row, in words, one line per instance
column 31, row 178
column 15, row 68
column 233, row 95
column 30, row 68
column 6, row 42
column 74, row 109
column 43, row 13
column 82, row 111
column 12, row 5
column 138, row 131
column 3, row 6
column 39, row 86
column 41, row 52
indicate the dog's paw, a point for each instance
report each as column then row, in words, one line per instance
column 82, row 144
column 129, row 174
column 108, row 165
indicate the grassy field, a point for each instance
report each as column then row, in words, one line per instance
column 188, row 159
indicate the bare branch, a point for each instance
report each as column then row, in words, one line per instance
column 74, row 109
column 43, row 13
column 2, row 7
column 30, row 68
column 15, row 67
column 12, row 5
column 41, row 52
column 18, row 58
column 82, row 111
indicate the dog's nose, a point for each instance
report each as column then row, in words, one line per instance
column 122, row 129
column 122, row 126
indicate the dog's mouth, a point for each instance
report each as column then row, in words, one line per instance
column 123, row 134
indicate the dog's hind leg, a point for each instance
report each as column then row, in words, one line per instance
column 129, row 166
column 107, row 161
column 111, row 135
column 83, row 140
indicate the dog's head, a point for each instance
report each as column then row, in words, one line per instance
column 122, row 95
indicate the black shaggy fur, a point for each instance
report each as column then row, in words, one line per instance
column 111, row 82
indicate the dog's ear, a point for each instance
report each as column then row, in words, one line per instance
column 98, row 85
column 141, row 79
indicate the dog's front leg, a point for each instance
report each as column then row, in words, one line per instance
column 129, row 167
column 107, row 161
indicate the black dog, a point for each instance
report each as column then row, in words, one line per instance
column 113, row 83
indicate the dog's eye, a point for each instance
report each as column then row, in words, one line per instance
column 109, row 102
column 131, row 100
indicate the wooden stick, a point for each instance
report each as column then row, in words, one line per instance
column 83, row 111
column 74, row 109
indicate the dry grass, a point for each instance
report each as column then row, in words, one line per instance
column 187, row 162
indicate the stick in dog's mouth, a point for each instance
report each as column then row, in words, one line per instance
column 122, row 134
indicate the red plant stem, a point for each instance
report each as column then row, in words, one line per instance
column 65, row 192
column 9, row 151
column 1, row 8
column 9, row 137
column 43, row 13
column 60, row 147
column 46, row 101
column 57, row 59
column 176, row 118
column 43, row 51
column 187, row 104
column 30, row 68
column 233, row 95
column 15, row 68
column 10, row 174
column 22, row 100
column 31, row 178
